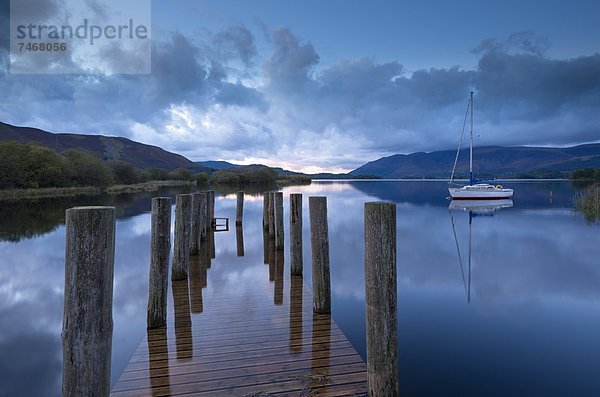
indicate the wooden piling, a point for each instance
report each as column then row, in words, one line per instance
column 239, row 209
column 204, row 215
column 181, row 243
column 266, row 211
column 279, row 235
column 87, row 317
column 296, row 234
column 381, row 299
column 211, row 223
column 211, row 209
column 195, row 223
column 271, row 214
column 319, row 238
column 160, row 247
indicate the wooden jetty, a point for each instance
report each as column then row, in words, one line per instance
column 236, row 330
column 229, row 337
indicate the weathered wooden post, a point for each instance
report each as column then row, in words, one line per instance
column 239, row 240
column 181, row 249
column 211, row 223
column 319, row 238
column 211, row 209
column 239, row 210
column 87, row 319
column 279, row 235
column 266, row 211
column 160, row 247
column 381, row 299
column 204, row 222
column 272, row 214
column 195, row 223
column 296, row 234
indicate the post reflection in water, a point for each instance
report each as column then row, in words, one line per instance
column 239, row 240
column 208, row 252
column 197, row 267
column 183, row 320
column 271, row 259
column 205, row 262
column 321, row 345
column 278, row 288
column 296, row 329
column 213, row 250
column 159, row 361
column 266, row 246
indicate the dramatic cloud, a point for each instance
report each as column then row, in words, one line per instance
column 215, row 96
column 235, row 42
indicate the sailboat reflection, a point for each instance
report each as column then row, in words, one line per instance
column 475, row 208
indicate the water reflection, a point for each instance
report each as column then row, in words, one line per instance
column 278, row 269
column 197, row 268
column 321, row 345
column 239, row 240
column 30, row 218
column 266, row 251
column 535, row 287
column 296, row 289
column 272, row 251
column 183, row 320
column 158, row 351
column 474, row 208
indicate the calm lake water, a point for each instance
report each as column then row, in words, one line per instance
column 523, row 319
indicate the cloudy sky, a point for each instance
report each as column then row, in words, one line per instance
column 329, row 85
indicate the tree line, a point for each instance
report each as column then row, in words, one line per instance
column 30, row 166
column 587, row 174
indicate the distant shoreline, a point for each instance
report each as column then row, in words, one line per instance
column 152, row 186
column 52, row 192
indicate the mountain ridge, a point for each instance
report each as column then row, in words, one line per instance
column 500, row 161
column 139, row 154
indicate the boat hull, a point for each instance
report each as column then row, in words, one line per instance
column 464, row 193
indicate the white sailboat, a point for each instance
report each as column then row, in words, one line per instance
column 475, row 190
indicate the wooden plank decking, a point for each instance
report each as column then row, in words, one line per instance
column 243, row 333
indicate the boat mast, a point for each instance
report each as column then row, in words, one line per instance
column 471, row 145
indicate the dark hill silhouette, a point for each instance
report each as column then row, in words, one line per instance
column 108, row 148
column 488, row 160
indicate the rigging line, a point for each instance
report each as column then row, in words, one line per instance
column 462, row 271
column 462, row 136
